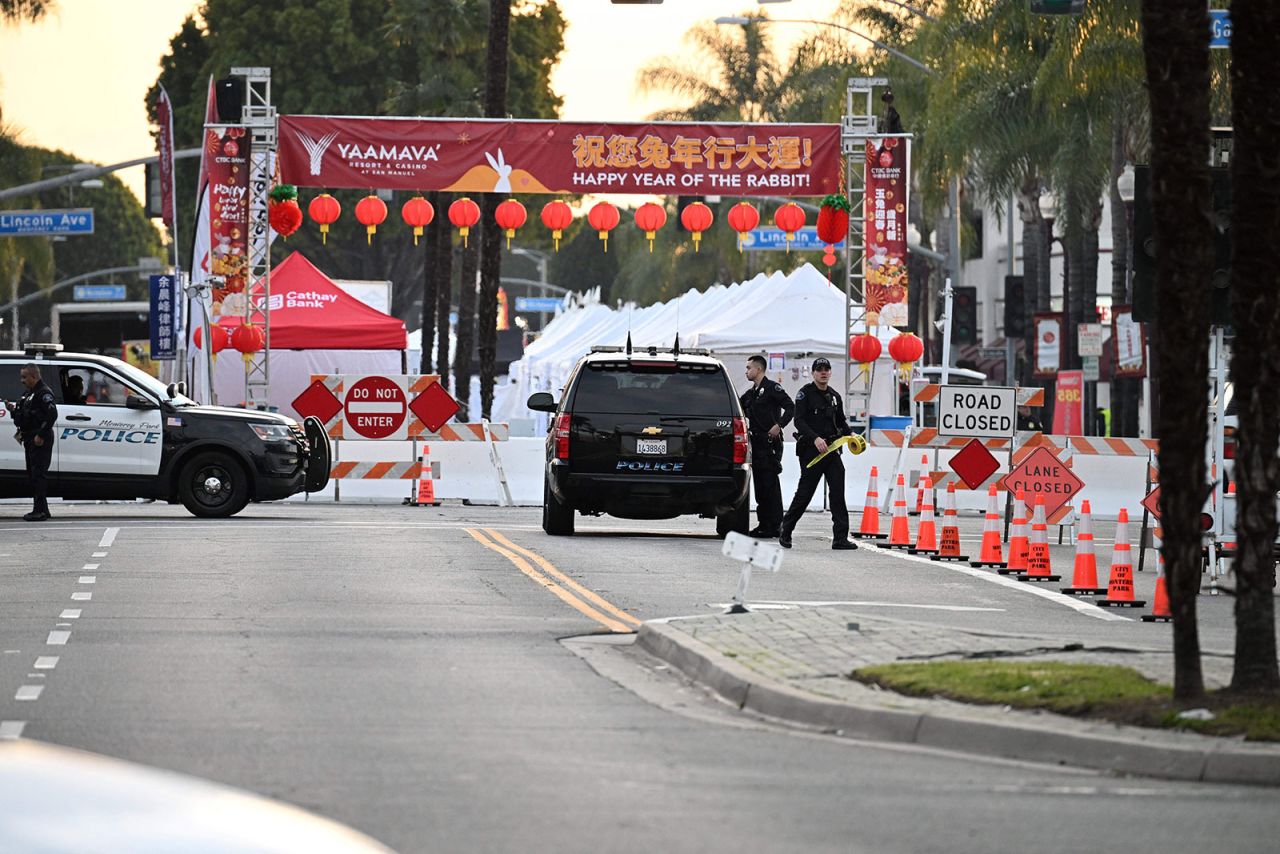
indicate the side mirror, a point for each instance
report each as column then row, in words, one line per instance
column 541, row 401
column 133, row 401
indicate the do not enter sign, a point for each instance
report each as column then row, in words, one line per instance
column 1044, row 474
column 376, row 408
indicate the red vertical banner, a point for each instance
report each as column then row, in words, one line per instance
column 885, row 212
column 226, row 156
column 1068, row 409
column 164, row 142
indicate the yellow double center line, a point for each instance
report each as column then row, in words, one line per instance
column 585, row 601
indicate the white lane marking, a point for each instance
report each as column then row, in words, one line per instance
column 46, row 662
column 62, row 625
column 10, row 730
column 108, row 537
column 783, row 603
column 29, row 692
column 58, row 638
column 90, row 566
column 12, row 651
column 98, row 554
column 88, row 579
column 36, row 675
column 81, row 597
column 1087, row 608
column 70, row 614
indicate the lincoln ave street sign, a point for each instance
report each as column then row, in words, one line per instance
column 46, row 223
column 977, row 411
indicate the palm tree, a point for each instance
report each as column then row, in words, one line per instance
column 497, row 60
column 739, row 81
column 19, row 256
column 17, row 11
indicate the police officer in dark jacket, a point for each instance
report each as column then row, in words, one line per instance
column 820, row 420
column 34, row 416
column 768, row 409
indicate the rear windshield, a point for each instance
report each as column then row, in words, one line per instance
column 653, row 389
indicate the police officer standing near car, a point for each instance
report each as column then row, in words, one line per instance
column 768, row 409
column 34, row 417
column 820, row 420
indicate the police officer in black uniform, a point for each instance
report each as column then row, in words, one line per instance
column 768, row 409
column 820, row 420
column 34, row 416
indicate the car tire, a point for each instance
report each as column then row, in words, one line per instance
column 557, row 517
column 213, row 485
column 737, row 520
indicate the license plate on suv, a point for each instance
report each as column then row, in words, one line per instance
column 651, row 446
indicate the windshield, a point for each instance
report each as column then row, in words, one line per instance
column 638, row 389
column 143, row 380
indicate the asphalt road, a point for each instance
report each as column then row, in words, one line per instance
column 405, row 671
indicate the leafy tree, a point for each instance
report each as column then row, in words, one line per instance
column 23, row 260
column 17, row 11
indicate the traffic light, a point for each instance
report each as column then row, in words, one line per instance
column 964, row 315
column 1220, row 281
column 1015, row 307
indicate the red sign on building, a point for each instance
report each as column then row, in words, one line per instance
column 1044, row 474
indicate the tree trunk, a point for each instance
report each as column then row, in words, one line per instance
column 1120, row 263
column 1176, row 48
column 495, row 107
column 1255, row 221
column 1077, row 267
column 466, row 332
column 444, row 285
column 429, row 288
column 1032, row 229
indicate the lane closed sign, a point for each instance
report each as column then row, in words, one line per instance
column 977, row 411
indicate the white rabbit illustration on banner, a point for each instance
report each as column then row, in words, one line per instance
column 504, row 172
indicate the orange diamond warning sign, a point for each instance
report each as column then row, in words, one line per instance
column 1044, row 474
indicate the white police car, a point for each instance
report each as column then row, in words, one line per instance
column 123, row 434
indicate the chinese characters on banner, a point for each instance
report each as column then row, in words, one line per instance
column 164, row 118
column 226, row 156
column 886, row 232
column 1048, row 350
column 528, row 156
column 164, row 317
column 1130, row 343
column 1068, row 408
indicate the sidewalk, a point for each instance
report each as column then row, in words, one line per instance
column 793, row 664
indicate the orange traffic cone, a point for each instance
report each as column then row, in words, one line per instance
column 926, row 534
column 950, row 550
column 1084, row 577
column 1019, row 545
column 870, row 528
column 920, row 484
column 1120, row 585
column 899, row 528
column 1160, row 611
column 990, row 554
column 1039, row 565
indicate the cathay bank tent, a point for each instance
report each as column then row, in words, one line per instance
column 316, row 328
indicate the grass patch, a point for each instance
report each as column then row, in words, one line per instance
column 1118, row 694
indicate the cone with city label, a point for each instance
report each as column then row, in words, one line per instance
column 990, row 554
column 950, row 549
column 870, row 527
column 1160, row 611
column 1120, row 585
column 920, row 484
column 899, row 528
column 1019, row 545
column 1039, row 565
column 926, row 534
column 1084, row 575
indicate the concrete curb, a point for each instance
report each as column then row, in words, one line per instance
column 1035, row 737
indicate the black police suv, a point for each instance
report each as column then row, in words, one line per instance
column 123, row 434
column 649, row 434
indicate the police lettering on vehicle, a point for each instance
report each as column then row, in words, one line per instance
column 647, row 465
column 99, row 434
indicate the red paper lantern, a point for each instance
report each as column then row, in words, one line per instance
column 510, row 216
column 789, row 218
column 649, row 218
column 696, row 218
column 833, row 219
column 864, row 349
column 325, row 210
column 248, row 339
column 371, row 211
column 742, row 218
column 220, row 334
column 418, row 213
column 604, row 218
column 906, row 349
column 285, row 217
column 557, row 216
column 464, row 213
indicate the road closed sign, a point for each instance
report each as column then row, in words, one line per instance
column 376, row 407
column 977, row 411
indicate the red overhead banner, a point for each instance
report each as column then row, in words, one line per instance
column 529, row 156
column 885, row 237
